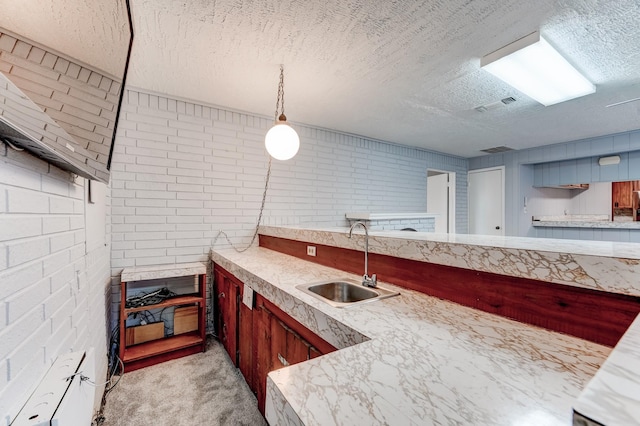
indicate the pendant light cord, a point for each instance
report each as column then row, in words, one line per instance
column 280, row 98
column 279, row 106
column 255, row 233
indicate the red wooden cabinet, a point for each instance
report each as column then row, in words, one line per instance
column 226, row 292
column 621, row 193
column 261, row 339
column 234, row 322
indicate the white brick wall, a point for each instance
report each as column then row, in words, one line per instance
column 182, row 171
column 82, row 101
column 420, row 225
column 52, row 293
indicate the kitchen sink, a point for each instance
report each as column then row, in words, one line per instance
column 345, row 292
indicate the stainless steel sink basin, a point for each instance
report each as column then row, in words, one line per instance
column 345, row 292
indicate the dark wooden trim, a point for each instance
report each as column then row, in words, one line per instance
column 226, row 286
column 319, row 343
column 130, row 366
column 202, row 307
column 597, row 316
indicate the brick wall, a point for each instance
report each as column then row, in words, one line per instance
column 52, row 290
column 82, row 101
column 183, row 171
column 419, row 225
column 52, row 293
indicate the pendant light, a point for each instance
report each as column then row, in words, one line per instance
column 281, row 141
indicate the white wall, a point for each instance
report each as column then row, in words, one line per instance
column 52, row 292
column 183, row 171
column 595, row 200
column 554, row 202
column 54, row 287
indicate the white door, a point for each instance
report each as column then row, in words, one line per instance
column 438, row 200
column 486, row 201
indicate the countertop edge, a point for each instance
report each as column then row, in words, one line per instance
column 612, row 396
column 613, row 268
column 584, row 224
column 152, row 272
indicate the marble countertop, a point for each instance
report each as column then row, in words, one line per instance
column 154, row 272
column 413, row 359
column 585, row 221
column 586, row 224
column 575, row 217
column 613, row 395
column 598, row 265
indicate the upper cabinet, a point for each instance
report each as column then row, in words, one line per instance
column 621, row 194
column 586, row 170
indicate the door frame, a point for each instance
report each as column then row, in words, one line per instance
column 451, row 196
column 487, row 169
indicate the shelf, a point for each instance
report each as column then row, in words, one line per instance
column 165, row 348
column 174, row 301
column 161, row 346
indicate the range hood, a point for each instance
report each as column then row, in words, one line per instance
column 570, row 186
column 24, row 125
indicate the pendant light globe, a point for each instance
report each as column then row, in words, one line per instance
column 281, row 141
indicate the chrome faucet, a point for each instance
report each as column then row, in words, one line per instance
column 366, row 280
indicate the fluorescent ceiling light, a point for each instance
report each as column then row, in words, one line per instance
column 536, row 69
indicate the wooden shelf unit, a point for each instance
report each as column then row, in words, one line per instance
column 174, row 301
column 166, row 348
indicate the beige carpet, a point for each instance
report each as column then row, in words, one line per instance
column 201, row 389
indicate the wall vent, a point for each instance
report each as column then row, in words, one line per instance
column 497, row 149
column 508, row 100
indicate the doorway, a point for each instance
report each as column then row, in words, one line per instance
column 486, row 201
column 441, row 200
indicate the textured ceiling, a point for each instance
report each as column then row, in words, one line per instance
column 94, row 31
column 401, row 71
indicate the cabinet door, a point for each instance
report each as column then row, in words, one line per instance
column 287, row 347
column 279, row 340
column 625, row 195
column 226, row 292
column 275, row 346
column 621, row 194
column 262, row 359
column 245, row 337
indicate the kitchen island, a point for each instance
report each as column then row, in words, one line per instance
column 425, row 360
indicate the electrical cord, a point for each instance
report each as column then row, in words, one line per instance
column 88, row 380
column 12, row 146
column 151, row 298
column 114, row 363
column 255, row 233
